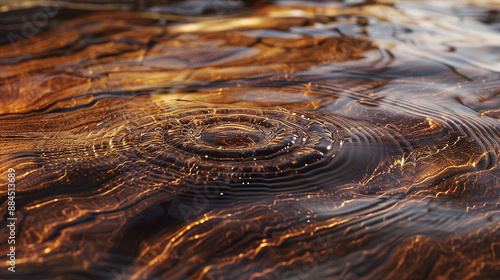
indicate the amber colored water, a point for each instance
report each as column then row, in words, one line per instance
column 257, row 140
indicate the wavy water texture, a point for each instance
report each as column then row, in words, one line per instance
column 251, row 140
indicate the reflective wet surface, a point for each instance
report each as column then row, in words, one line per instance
column 266, row 140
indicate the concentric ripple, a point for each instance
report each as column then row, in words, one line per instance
column 232, row 144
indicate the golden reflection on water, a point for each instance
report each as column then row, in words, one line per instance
column 286, row 140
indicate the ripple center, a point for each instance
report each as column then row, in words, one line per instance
column 234, row 135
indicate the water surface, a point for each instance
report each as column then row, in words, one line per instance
column 266, row 140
